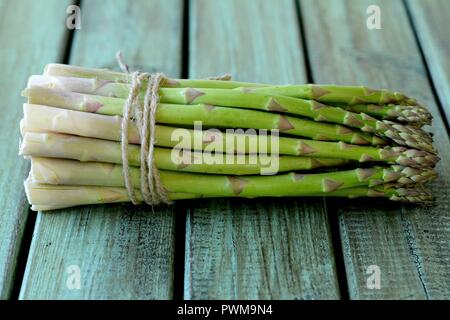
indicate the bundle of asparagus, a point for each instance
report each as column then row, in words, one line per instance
column 334, row 140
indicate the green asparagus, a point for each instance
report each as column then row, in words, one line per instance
column 109, row 81
column 72, row 134
column 71, row 172
column 326, row 93
column 56, row 145
column 51, row 197
column 403, row 135
column 207, row 114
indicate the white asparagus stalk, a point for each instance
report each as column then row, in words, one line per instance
column 58, row 145
column 39, row 118
column 44, row 197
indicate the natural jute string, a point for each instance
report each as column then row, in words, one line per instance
column 144, row 117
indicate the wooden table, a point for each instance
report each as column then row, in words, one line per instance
column 229, row 249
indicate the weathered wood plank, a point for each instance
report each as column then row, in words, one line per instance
column 409, row 244
column 26, row 44
column 122, row 252
column 430, row 19
column 261, row 249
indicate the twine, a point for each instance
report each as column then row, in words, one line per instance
column 144, row 117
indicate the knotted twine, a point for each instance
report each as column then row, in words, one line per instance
column 144, row 117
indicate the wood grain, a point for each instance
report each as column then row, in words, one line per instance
column 26, row 44
column 122, row 252
column 261, row 249
column 430, row 19
column 409, row 244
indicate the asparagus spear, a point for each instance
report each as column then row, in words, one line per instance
column 44, row 197
column 344, row 94
column 70, row 172
column 167, row 159
column 412, row 115
column 55, row 145
column 108, row 76
column 326, row 93
column 403, row 135
column 207, row 114
column 254, row 99
column 394, row 103
column 51, row 197
column 42, row 118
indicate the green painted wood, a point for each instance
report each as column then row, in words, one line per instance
column 260, row 249
column 26, row 44
column 430, row 19
column 122, row 252
column 409, row 244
